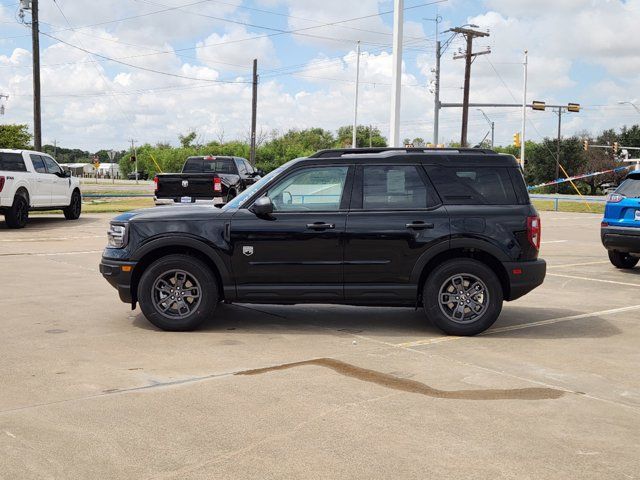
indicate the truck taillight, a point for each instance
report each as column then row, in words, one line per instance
column 155, row 180
column 534, row 231
column 217, row 184
column 1, row 183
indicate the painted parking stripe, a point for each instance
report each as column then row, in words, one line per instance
column 578, row 264
column 593, row 279
column 48, row 239
column 28, row 254
column 430, row 341
column 554, row 241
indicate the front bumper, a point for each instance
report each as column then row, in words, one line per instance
column 621, row 239
column 118, row 273
column 524, row 277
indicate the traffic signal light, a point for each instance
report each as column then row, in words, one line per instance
column 616, row 146
column 537, row 105
column 573, row 107
column 516, row 139
column 585, row 145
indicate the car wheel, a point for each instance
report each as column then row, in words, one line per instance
column 623, row 260
column 462, row 297
column 72, row 212
column 18, row 215
column 177, row 293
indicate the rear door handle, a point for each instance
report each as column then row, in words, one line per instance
column 320, row 226
column 419, row 225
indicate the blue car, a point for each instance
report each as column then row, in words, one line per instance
column 620, row 229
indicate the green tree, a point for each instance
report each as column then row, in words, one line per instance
column 365, row 136
column 187, row 140
column 15, row 136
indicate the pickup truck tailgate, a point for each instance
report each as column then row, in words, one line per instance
column 190, row 185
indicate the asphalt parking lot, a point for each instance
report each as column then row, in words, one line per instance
column 89, row 389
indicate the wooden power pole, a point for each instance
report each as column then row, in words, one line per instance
column 469, row 57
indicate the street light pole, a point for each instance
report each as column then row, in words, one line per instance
column 396, row 85
column 632, row 104
column 559, row 111
column 354, row 142
column 524, row 110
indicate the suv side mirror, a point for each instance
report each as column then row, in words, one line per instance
column 262, row 207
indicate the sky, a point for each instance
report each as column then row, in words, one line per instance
column 154, row 69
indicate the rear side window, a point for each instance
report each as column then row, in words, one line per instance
column 12, row 162
column 630, row 187
column 473, row 185
column 38, row 163
column 392, row 187
column 192, row 165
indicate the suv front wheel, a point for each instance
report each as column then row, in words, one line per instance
column 177, row 293
column 462, row 297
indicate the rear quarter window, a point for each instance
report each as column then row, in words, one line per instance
column 459, row 185
column 192, row 165
column 630, row 187
column 12, row 162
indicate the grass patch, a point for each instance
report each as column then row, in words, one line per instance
column 115, row 205
column 577, row 207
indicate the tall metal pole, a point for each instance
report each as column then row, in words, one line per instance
column 396, row 86
column 436, row 95
column 354, row 141
column 254, row 111
column 558, row 150
column 524, row 110
column 35, row 41
column 465, row 99
column 493, row 130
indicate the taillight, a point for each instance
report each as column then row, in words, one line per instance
column 615, row 198
column 1, row 183
column 534, row 231
column 217, row 184
column 155, row 180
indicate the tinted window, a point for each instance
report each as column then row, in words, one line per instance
column 12, row 162
column 52, row 166
column 473, row 185
column 248, row 166
column 38, row 163
column 391, row 187
column 311, row 189
column 218, row 165
column 192, row 165
column 630, row 187
column 242, row 168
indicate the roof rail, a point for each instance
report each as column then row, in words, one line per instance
column 339, row 152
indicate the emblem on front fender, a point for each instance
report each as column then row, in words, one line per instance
column 185, row 183
column 247, row 251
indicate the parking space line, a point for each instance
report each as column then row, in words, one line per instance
column 593, row 279
column 554, row 241
column 430, row 341
column 48, row 239
column 29, row 254
column 578, row 264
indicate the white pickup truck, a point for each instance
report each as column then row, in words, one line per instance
column 34, row 181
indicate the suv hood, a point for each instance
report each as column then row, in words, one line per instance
column 171, row 213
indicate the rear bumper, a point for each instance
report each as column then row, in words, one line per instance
column 199, row 201
column 621, row 239
column 118, row 274
column 524, row 277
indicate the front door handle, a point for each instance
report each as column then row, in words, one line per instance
column 320, row 226
column 419, row 225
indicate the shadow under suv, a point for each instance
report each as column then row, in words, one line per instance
column 452, row 230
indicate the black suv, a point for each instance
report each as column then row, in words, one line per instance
column 450, row 229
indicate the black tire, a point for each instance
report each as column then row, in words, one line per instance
column 478, row 310
column 18, row 215
column 623, row 260
column 154, row 293
column 72, row 212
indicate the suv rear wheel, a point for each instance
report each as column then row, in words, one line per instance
column 623, row 260
column 178, row 293
column 462, row 297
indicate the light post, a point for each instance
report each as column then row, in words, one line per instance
column 630, row 103
column 491, row 124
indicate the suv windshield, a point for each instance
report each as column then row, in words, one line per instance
column 630, row 187
column 240, row 199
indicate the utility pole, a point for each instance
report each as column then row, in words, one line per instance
column 469, row 57
column 436, row 95
column 133, row 148
column 6, row 97
column 524, row 110
column 254, row 111
column 35, row 45
column 354, row 141
column 396, row 78
column 559, row 112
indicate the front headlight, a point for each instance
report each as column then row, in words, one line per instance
column 117, row 235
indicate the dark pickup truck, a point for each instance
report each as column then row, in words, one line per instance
column 205, row 180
